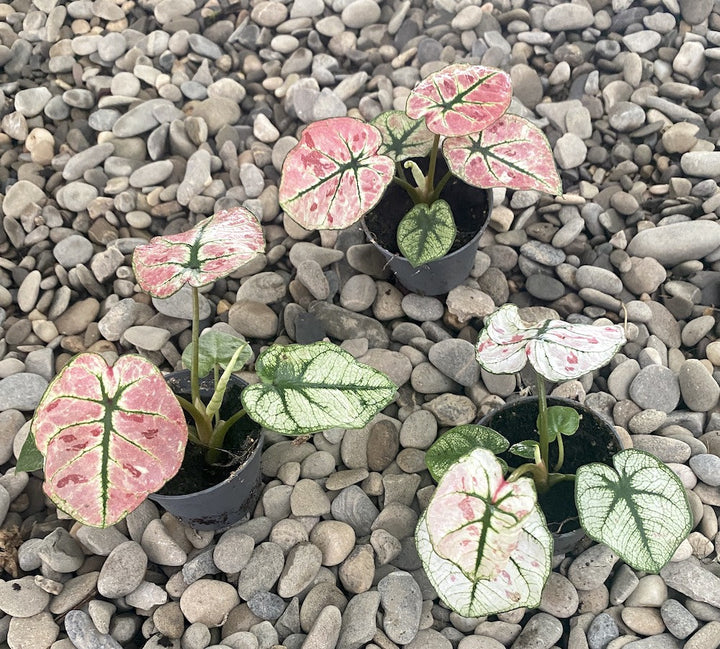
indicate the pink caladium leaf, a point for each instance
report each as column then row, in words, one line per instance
column 403, row 137
column 110, row 435
column 512, row 152
column 335, row 174
column 460, row 99
column 557, row 350
column 212, row 249
column 483, row 541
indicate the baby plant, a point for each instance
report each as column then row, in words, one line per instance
column 341, row 167
column 107, row 436
column 483, row 539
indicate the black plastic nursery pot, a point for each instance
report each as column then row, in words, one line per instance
column 595, row 441
column 218, row 496
column 471, row 208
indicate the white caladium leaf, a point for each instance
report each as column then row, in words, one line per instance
column 110, row 436
column 217, row 348
column 307, row 388
column 335, row 174
column 511, row 152
column 426, row 232
column 402, row 136
column 484, row 558
column 212, row 249
column 460, row 99
column 557, row 350
column 639, row 510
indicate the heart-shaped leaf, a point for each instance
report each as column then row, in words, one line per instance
column 334, row 175
column 426, row 232
column 512, row 152
column 483, row 541
column 459, row 441
column 307, row 388
column 403, row 137
column 460, row 99
column 110, row 436
column 557, row 350
column 561, row 420
column 217, row 348
column 212, row 249
column 639, row 510
column 30, row 459
column 526, row 449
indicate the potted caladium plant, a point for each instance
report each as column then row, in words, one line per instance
column 414, row 174
column 483, row 538
column 108, row 436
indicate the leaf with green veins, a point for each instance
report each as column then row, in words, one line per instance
column 426, row 232
column 459, row 441
column 639, row 509
column 308, row 388
column 402, row 136
column 561, row 420
column 30, row 458
column 525, row 449
column 217, row 348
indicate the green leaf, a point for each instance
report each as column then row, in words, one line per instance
column 459, row 441
column 307, row 388
column 526, row 449
column 217, row 348
column 639, row 510
column 426, row 232
column 402, row 136
column 30, row 458
column 561, row 420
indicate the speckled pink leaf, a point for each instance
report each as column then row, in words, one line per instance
column 557, row 350
column 512, row 152
column 212, row 249
column 335, row 174
column 110, row 436
column 461, row 99
column 475, row 516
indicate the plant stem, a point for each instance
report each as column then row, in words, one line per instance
column 218, row 437
column 537, row 471
column 439, row 187
column 542, row 420
column 412, row 191
column 202, row 425
column 195, row 362
column 561, row 453
column 430, row 178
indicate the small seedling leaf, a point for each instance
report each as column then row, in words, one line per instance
column 217, row 348
column 561, row 420
column 639, row 509
column 459, row 441
column 525, row 449
column 426, row 232
column 308, row 388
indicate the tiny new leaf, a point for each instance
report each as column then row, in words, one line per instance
column 426, row 232
column 639, row 510
column 217, row 348
column 460, row 99
column 459, row 441
column 334, row 174
column 512, row 152
column 483, row 542
column 561, row 420
column 526, row 449
column 212, row 249
column 30, row 458
column 403, row 137
column 105, row 448
column 308, row 388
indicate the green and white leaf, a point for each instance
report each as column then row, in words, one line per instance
column 459, row 441
column 426, row 232
column 527, row 449
column 308, row 388
column 402, row 136
column 217, row 348
column 30, row 459
column 561, row 420
column 519, row 584
column 639, row 510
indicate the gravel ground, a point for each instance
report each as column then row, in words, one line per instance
column 121, row 120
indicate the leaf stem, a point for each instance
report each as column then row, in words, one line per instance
column 195, row 362
column 542, row 420
column 561, row 452
column 537, row 471
column 430, row 179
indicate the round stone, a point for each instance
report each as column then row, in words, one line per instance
column 656, row 388
column 208, row 601
column 699, row 390
column 73, row 250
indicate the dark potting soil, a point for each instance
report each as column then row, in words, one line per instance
column 593, row 442
column 469, row 207
column 196, row 474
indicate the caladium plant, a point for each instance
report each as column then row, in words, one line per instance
column 107, row 436
column 342, row 166
column 483, row 539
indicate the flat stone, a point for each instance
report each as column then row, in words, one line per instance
column 301, row 566
column 358, row 620
column 678, row 620
column 21, row 391
column 209, row 602
column 22, row 597
column 401, row 600
column 262, row 570
column 591, row 568
column 567, row 16
column 691, row 578
column 123, row 570
column 655, row 388
column 699, row 390
column 541, row 631
column 19, row 195
column 84, row 635
column 677, row 242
